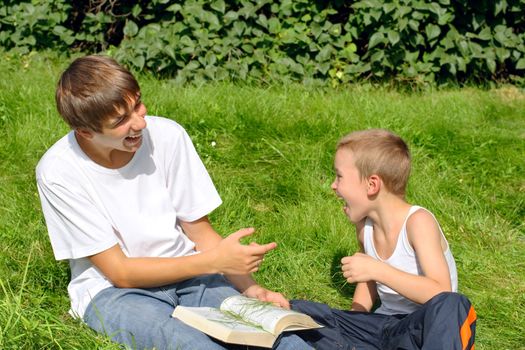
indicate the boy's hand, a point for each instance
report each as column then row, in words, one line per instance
column 264, row 294
column 232, row 257
column 359, row 268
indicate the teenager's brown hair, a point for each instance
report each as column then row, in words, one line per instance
column 380, row 152
column 92, row 89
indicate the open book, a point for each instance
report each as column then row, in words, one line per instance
column 242, row 320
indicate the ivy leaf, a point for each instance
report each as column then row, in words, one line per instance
column 192, row 65
column 377, row 56
column 502, row 53
column 130, row 29
column 462, row 67
column 324, row 54
column 500, row 6
column 335, row 30
column 491, row 64
column 296, row 68
column 393, row 37
column 138, row 61
column 485, row 34
column 219, row 6
column 230, row 16
column 316, row 29
column 388, row 7
column 323, row 67
column 432, row 31
column 174, row 8
column 65, row 34
column 463, row 48
column 475, row 49
column 262, row 21
column 135, row 12
column 169, row 51
column 375, row 39
column 274, row 26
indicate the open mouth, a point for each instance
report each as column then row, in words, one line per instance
column 133, row 140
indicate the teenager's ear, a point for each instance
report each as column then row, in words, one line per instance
column 373, row 185
column 84, row 133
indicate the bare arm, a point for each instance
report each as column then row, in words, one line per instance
column 365, row 293
column 424, row 235
column 218, row 255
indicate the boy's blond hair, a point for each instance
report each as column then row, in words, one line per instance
column 92, row 89
column 380, row 152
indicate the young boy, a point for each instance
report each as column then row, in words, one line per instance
column 125, row 199
column 405, row 260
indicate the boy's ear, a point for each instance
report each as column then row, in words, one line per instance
column 373, row 185
column 84, row 133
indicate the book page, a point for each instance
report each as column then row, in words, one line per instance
column 224, row 326
column 258, row 312
column 225, row 319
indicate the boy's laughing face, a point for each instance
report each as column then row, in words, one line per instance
column 123, row 131
column 349, row 186
column 120, row 138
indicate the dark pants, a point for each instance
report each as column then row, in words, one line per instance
column 447, row 321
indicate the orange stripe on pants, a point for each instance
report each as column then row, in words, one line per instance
column 465, row 331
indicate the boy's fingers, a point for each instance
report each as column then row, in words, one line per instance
column 261, row 249
column 244, row 232
column 253, row 248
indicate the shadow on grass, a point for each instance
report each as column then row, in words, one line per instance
column 338, row 281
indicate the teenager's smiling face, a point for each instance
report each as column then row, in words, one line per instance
column 349, row 186
column 123, row 131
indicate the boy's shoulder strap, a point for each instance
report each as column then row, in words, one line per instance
column 368, row 241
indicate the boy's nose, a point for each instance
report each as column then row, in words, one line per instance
column 139, row 122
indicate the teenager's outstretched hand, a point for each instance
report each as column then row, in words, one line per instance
column 232, row 257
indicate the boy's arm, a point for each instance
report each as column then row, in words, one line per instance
column 365, row 293
column 205, row 237
column 425, row 237
column 226, row 256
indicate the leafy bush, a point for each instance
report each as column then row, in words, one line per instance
column 25, row 26
column 269, row 40
column 243, row 40
column 442, row 40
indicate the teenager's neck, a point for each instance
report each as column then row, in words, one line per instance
column 107, row 158
column 390, row 214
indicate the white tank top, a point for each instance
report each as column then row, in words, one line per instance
column 403, row 258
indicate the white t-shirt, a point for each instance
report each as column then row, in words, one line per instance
column 89, row 208
column 403, row 258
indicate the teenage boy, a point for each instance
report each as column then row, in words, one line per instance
column 405, row 260
column 125, row 198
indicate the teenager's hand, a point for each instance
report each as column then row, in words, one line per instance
column 232, row 257
column 264, row 294
column 359, row 268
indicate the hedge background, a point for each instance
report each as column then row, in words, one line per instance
column 319, row 42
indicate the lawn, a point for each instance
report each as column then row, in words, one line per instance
column 269, row 151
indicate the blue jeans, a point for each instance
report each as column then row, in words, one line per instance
column 141, row 318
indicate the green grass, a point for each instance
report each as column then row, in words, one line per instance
column 272, row 164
